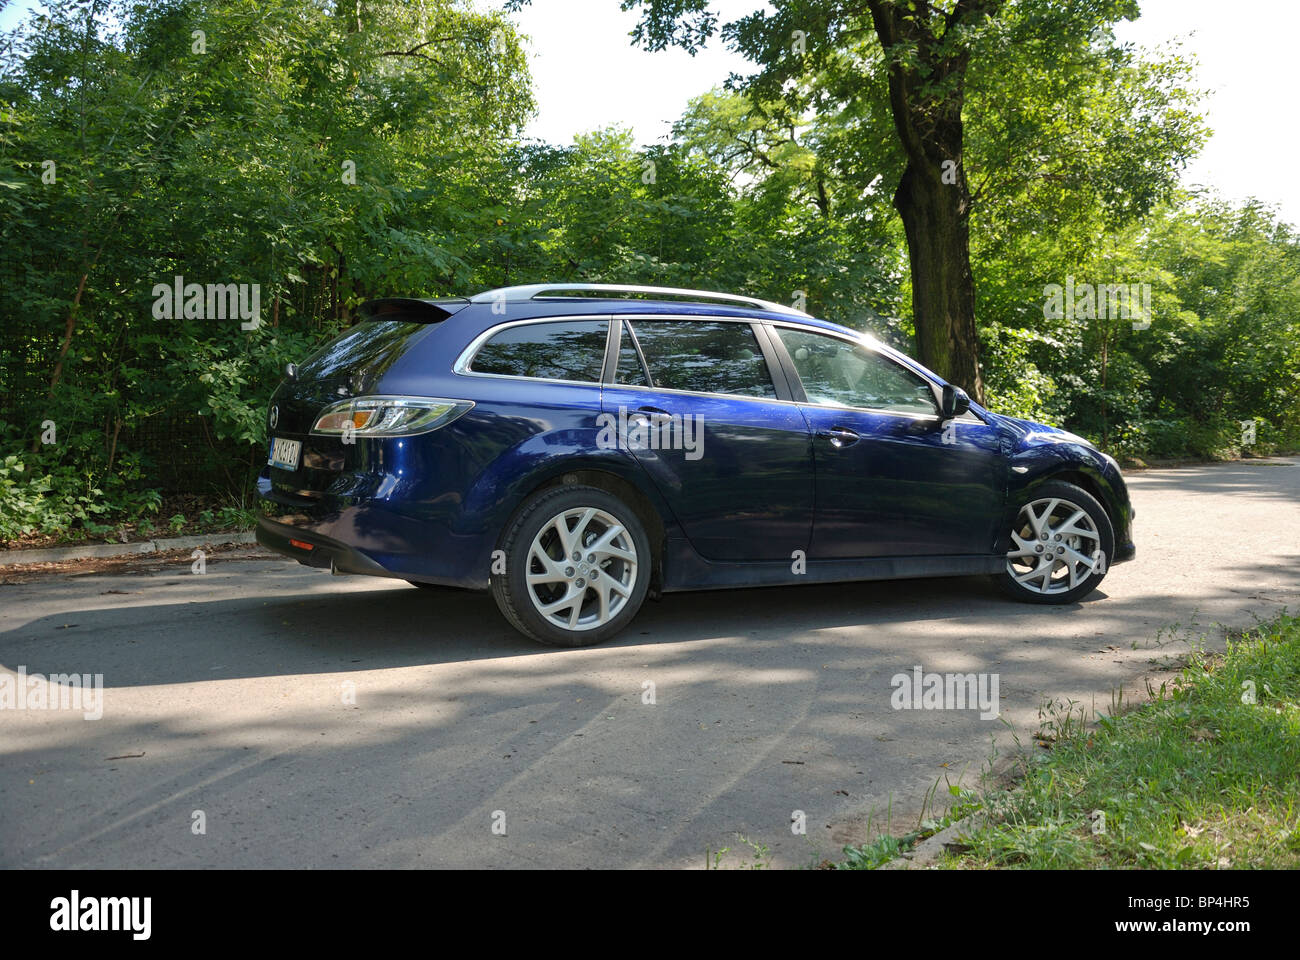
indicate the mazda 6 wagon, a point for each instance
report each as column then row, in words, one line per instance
column 575, row 448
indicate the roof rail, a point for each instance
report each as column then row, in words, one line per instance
column 540, row 291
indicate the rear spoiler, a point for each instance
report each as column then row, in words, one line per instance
column 410, row 309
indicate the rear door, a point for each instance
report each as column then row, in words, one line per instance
column 695, row 401
column 891, row 479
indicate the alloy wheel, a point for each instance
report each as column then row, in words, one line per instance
column 1055, row 547
column 582, row 567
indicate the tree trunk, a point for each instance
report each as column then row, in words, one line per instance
column 927, row 72
column 935, row 220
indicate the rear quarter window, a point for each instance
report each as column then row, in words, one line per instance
column 546, row 350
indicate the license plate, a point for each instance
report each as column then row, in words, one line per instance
column 284, row 453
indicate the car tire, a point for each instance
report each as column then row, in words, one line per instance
column 572, row 597
column 1059, row 546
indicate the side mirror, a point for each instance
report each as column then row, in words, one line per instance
column 955, row 402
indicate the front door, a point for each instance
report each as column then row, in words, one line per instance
column 891, row 479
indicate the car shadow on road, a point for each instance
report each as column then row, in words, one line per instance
column 769, row 701
column 310, row 631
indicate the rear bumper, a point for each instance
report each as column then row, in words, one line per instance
column 368, row 536
column 317, row 550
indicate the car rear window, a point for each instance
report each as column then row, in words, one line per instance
column 369, row 349
column 704, row 356
column 547, row 350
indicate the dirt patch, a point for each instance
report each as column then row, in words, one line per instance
column 132, row 563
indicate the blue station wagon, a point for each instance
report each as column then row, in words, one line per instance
column 574, row 448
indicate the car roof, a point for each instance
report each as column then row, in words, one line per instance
column 582, row 291
column 541, row 300
column 544, row 300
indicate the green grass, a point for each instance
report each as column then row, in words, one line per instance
column 1199, row 778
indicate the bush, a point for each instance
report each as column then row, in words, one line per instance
column 62, row 499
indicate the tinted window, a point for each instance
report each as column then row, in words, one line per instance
column 369, row 348
column 835, row 371
column 705, row 356
column 629, row 370
column 563, row 350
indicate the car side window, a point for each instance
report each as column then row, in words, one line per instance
column 705, row 356
column 837, row 372
column 629, row 370
column 546, row 350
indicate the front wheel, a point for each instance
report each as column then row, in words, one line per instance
column 577, row 567
column 1061, row 543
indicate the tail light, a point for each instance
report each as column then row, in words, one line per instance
column 388, row 416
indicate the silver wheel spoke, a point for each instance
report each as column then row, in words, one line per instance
column 561, row 525
column 581, row 528
column 1068, row 527
column 614, row 553
column 1041, row 570
column 1022, row 548
column 1037, row 520
column 1073, row 557
column 569, row 599
column 552, row 572
column 603, row 546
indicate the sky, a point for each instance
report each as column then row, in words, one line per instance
column 1246, row 56
column 586, row 75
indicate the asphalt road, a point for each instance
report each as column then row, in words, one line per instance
column 226, row 694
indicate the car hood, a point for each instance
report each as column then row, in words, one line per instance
column 1028, row 433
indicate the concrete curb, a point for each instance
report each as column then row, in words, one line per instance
column 931, row 848
column 14, row 558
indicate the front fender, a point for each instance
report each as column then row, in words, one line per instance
column 1041, row 454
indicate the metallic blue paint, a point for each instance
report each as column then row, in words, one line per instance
column 433, row 507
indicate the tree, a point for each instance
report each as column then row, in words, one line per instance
column 910, row 60
column 322, row 153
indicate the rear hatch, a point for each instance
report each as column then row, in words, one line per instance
column 353, row 362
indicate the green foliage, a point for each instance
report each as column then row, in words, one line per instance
column 331, row 153
column 326, row 154
column 56, row 499
column 1222, row 348
column 1202, row 777
column 886, row 846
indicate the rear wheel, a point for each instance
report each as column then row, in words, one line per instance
column 1061, row 544
column 577, row 567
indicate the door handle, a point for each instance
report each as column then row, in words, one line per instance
column 645, row 414
column 839, row 437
